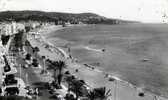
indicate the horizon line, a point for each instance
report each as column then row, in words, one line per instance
column 64, row 12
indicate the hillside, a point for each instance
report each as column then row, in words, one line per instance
column 89, row 18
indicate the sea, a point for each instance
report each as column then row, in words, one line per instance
column 137, row 53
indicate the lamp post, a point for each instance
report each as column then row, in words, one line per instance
column 156, row 98
column 27, row 79
column 43, row 57
column 114, row 80
column 115, row 89
column 20, row 70
column 44, row 66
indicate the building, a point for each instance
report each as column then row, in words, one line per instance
column 32, row 24
column 11, row 28
column 14, row 28
column 20, row 26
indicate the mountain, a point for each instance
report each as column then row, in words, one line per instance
column 89, row 18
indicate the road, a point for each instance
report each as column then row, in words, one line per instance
column 31, row 76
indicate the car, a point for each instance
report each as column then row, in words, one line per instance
column 12, row 91
column 25, row 66
column 7, row 68
column 35, row 63
column 10, row 80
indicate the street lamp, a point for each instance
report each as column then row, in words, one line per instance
column 44, row 66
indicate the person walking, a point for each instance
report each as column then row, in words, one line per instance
column 36, row 93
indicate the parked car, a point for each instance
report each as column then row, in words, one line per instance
column 35, row 63
column 10, row 80
column 12, row 91
column 7, row 68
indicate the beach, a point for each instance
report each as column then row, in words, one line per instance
column 93, row 77
column 131, row 51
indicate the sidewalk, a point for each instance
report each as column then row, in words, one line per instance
column 21, row 84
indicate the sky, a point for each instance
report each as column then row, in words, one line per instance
column 153, row 11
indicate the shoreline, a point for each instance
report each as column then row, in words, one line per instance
column 107, row 75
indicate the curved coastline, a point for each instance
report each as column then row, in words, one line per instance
column 107, row 75
column 110, row 75
column 113, row 76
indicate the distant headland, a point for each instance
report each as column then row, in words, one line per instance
column 58, row 17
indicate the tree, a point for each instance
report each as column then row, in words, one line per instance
column 5, row 39
column 58, row 65
column 76, row 87
column 27, row 28
column 101, row 93
column 69, row 80
column 27, row 43
column 91, row 95
column 69, row 97
column 28, row 56
column 61, row 65
column 35, row 63
column 59, row 77
column 19, row 39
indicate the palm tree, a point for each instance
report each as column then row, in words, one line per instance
column 101, row 93
column 58, row 65
column 91, row 95
column 77, row 87
column 61, row 65
column 69, row 80
column 19, row 39
column 53, row 66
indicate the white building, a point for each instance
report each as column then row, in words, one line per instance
column 20, row 27
column 32, row 24
column 8, row 29
column 14, row 27
column 11, row 28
